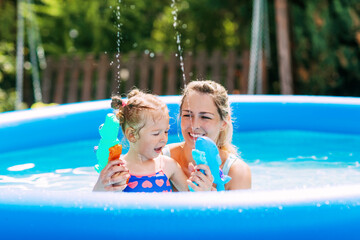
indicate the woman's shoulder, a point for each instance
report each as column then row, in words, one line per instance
column 175, row 146
column 175, row 149
column 240, row 173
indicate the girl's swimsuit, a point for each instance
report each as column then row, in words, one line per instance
column 157, row 182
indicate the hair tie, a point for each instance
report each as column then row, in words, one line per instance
column 123, row 103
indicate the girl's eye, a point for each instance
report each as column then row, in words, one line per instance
column 186, row 115
column 205, row 117
column 156, row 134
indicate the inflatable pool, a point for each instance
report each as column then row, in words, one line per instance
column 331, row 212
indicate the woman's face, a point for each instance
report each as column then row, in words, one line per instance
column 199, row 117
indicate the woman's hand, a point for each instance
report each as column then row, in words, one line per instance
column 113, row 177
column 204, row 181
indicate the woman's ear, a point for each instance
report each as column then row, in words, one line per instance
column 130, row 134
column 224, row 123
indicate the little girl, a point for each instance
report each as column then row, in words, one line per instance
column 144, row 120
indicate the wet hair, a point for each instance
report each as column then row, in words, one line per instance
column 138, row 107
column 221, row 99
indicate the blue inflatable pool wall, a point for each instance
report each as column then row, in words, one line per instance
column 322, row 213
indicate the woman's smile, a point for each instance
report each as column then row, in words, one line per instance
column 199, row 118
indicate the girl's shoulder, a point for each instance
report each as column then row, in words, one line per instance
column 166, row 160
column 168, row 164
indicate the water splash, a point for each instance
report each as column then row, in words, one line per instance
column 118, row 44
column 174, row 13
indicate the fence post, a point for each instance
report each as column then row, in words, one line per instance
column 74, row 80
column 131, row 66
column 60, row 81
column 158, row 66
column 88, row 74
column 102, row 68
column 46, row 84
column 216, row 64
column 230, row 70
column 201, row 65
column 171, row 84
column 144, row 71
column 243, row 80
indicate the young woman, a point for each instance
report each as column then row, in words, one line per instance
column 205, row 111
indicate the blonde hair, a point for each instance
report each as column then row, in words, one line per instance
column 135, row 111
column 220, row 97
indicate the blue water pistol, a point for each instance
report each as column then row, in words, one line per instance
column 206, row 152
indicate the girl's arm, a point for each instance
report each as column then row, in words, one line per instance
column 240, row 174
column 175, row 174
column 107, row 181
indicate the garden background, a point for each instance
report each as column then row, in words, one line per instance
column 324, row 37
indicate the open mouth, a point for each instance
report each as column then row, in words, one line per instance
column 158, row 150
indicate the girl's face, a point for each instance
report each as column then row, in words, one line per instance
column 153, row 136
column 199, row 117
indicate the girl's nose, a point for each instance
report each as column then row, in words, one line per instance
column 164, row 138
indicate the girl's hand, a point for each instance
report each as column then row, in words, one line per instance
column 113, row 177
column 204, row 181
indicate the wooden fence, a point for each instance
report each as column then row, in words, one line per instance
column 72, row 79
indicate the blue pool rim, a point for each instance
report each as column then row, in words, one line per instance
column 319, row 213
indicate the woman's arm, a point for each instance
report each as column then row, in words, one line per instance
column 204, row 182
column 113, row 177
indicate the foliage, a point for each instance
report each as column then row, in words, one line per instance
column 326, row 38
column 325, row 35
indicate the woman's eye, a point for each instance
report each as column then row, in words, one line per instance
column 156, row 134
column 186, row 115
column 205, row 117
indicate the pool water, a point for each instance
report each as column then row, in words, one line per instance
column 278, row 160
